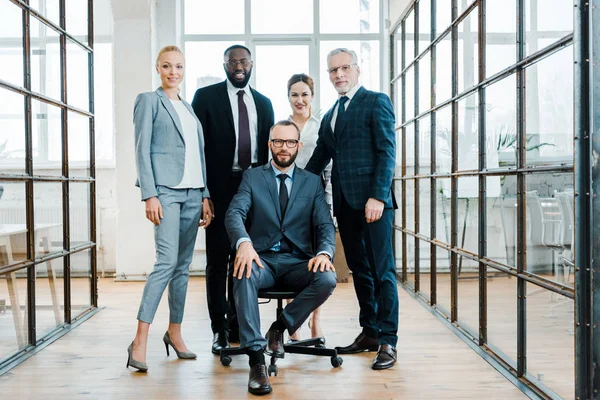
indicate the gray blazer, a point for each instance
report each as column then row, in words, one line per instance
column 159, row 144
column 307, row 212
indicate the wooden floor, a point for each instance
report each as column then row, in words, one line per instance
column 89, row 362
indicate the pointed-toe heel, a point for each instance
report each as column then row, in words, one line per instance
column 185, row 355
column 140, row 366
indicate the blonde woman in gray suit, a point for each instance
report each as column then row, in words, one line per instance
column 169, row 154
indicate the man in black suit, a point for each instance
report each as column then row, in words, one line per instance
column 358, row 134
column 236, row 120
column 288, row 208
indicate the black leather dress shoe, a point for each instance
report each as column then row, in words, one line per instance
column 220, row 341
column 385, row 358
column 275, row 343
column 258, row 382
column 360, row 344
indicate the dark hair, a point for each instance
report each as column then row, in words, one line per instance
column 301, row 78
column 285, row 122
column 236, row 46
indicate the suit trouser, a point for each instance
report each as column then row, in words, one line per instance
column 219, row 260
column 369, row 254
column 174, row 238
column 289, row 271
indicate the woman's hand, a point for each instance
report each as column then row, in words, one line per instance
column 207, row 213
column 154, row 210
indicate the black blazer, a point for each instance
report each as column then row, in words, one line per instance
column 212, row 107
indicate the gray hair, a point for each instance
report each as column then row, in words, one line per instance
column 343, row 50
column 285, row 122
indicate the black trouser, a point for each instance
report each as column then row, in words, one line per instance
column 219, row 265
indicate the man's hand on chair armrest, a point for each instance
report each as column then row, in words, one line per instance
column 321, row 262
column 243, row 260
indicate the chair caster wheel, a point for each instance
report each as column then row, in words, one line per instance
column 273, row 369
column 225, row 360
column 336, row 362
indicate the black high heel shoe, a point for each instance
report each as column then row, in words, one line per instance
column 185, row 355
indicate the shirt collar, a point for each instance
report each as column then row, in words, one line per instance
column 352, row 92
column 233, row 90
column 290, row 173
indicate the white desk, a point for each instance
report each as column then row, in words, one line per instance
column 42, row 237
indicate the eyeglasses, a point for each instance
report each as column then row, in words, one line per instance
column 235, row 63
column 290, row 143
column 345, row 68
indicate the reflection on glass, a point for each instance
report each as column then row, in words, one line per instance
column 77, row 76
column 550, row 110
column 468, row 295
column 342, row 16
column 424, row 208
column 45, row 60
column 442, row 188
column 81, row 282
column 443, row 140
column 13, row 303
column 409, row 38
column 272, row 76
column 77, row 19
column 79, row 144
column 79, row 209
column 48, row 8
column 398, row 67
column 550, row 226
column 501, row 123
column 443, row 14
column 425, row 269
column 49, row 296
column 443, row 70
column 48, row 218
column 425, row 83
column 468, row 58
column 468, row 148
column 398, row 102
column 409, row 79
column 367, row 52
column 204, row 63
column 410, row 205
column 12, row 132
column 424, row 24
column 11, row 34
column 547, row 20
column 424, row 145
column 550, row 330
column 47, row 139
column 409, row 133
column 501, row 35
column 501, row 214
column 13, row 231
column 274, row 16
column 502, row 314
column 468, row 218
column 410, row 260
column 214, row 17
column 443, row 280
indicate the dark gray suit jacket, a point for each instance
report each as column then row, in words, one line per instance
column 257, row 199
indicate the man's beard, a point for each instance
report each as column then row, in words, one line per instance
column 238, row 84
column 284, row 163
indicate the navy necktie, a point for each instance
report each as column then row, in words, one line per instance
column 341, row 110
column 283, row 193
column 244, row 144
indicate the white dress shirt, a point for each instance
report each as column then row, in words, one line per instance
column 192, row 172
column 350, row 95
column 252, row 118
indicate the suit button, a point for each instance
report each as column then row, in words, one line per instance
column 282, row 230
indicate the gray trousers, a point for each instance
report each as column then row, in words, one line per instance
column 174, row 238
column 286, row 271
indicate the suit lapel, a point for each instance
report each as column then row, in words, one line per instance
column 171, row 110
column 297, row 185
column 269, row 178
column 226, row 103
column 356, row 99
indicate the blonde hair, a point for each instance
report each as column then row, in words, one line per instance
column 167, row 49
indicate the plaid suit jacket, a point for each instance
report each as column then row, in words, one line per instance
column 363, row 152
